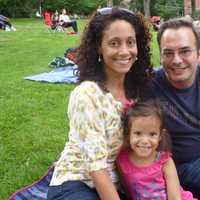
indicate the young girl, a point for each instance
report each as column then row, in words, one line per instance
column 145, row 164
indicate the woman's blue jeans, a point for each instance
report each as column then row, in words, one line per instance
column 73, row 190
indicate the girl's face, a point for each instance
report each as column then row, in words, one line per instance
column 145, row 135
column 118, row 48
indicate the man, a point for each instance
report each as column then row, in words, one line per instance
column 177, row 85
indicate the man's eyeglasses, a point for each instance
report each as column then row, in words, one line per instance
column 109, row 10
column 183, row 53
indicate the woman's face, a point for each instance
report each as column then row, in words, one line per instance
column 118, row 48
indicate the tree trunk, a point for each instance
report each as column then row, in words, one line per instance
column 146, row 4
column 125, row 4
column 193, row 5
column 109, row 3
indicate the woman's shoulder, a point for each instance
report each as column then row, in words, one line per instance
column 86, row 89
column 87, row 86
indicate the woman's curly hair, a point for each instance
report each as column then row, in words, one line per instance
column 89, row 68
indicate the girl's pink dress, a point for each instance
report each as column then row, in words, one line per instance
column 146, row 183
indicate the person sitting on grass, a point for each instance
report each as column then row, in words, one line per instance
column 65, row 21
column 55, row 20
column 5, row 24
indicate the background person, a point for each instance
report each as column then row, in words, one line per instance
column 177, row 85
column 112, row 58
column 145, row 164
column 5, row 24
column 65, row 21
column 55, row 19
column 47, row 18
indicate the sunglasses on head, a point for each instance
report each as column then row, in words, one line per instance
column 109, row 10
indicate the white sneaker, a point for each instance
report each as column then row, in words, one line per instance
column 7, row 28
column 13, row 28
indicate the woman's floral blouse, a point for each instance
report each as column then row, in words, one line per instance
column 95, row 135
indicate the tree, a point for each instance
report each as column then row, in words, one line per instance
column 167, row 8
column 193, row 5
column 125, row 4
column 109, row 3
column 146, row 4
column 18, row 8
column 28, row 8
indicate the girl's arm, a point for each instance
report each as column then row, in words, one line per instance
column 104, row 186
column 172, row 181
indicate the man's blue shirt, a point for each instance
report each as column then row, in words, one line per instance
column 182, row 120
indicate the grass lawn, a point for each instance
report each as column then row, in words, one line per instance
column 33, row 123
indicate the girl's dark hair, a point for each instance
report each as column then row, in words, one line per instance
column 147, row 108
column 89, row 68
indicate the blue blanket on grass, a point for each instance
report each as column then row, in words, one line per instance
column 58, row 75
column 36, row 191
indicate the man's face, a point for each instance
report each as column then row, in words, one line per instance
column 179, row 56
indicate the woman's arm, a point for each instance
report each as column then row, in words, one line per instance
column 87, row 118
column 172, row 181
column 104, row 185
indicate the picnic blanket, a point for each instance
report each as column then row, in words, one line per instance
column 57, row 75
column 64, row 69
column 36, row 191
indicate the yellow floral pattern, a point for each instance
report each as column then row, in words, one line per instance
column 95, row 135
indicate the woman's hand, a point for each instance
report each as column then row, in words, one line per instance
column 104, row 186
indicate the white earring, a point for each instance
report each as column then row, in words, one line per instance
column 136, row 58
column 99, row 59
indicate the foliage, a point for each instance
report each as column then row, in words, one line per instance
column 18, row 8
column 197, row 14
column 88, row 6
column 167, row 8
column 139, row 6
column 27, row 8
column 163, row 8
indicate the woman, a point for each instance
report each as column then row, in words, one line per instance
column 113, row 68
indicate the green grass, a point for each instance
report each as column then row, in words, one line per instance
column 155, row 51
column 33, row 123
